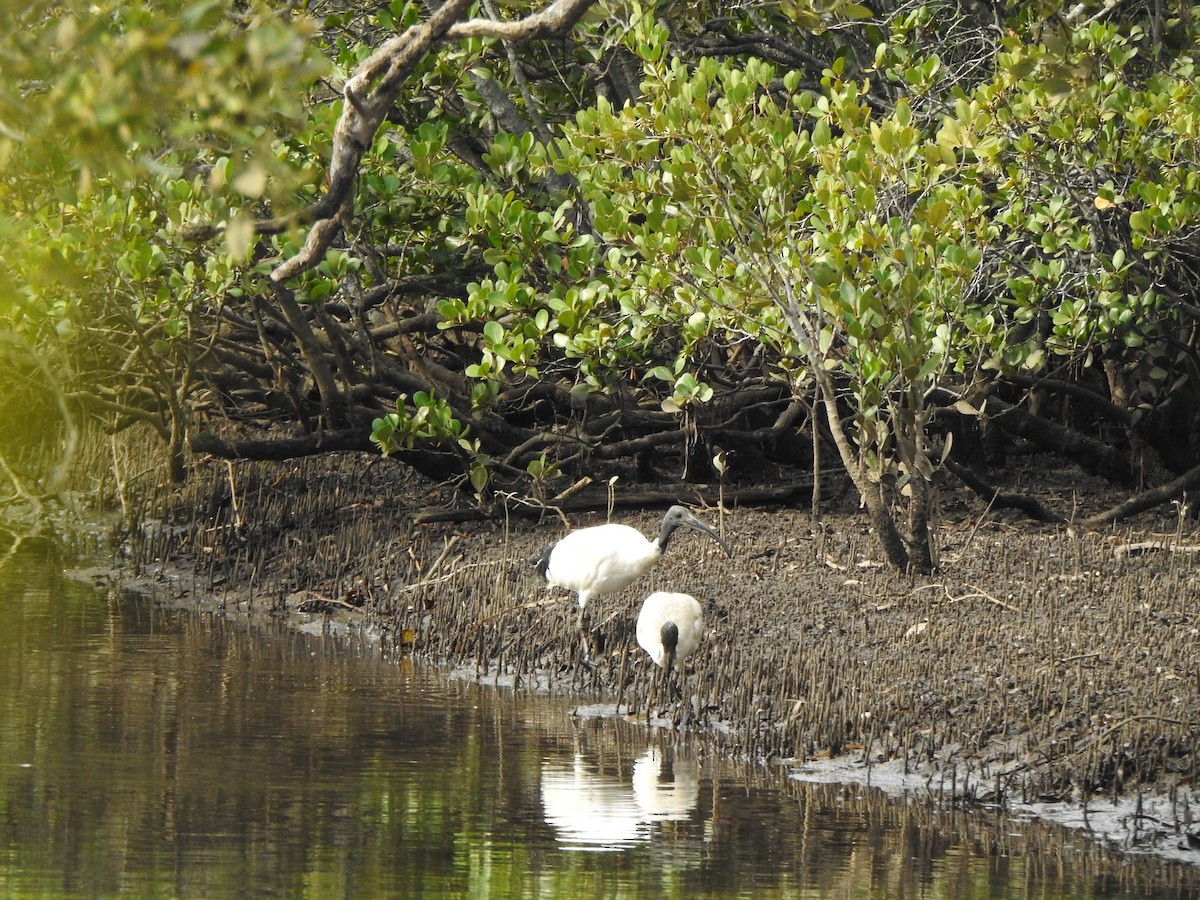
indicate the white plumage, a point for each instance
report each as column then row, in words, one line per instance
column 600, row 560
column 606, row 558
column 669, row 627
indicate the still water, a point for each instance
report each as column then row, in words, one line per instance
column 150, row 753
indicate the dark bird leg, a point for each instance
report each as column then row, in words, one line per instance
column 669, row 635
column 653, row 691
column 684, row 712
column 584, row 627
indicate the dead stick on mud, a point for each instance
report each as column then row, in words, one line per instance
column 437, row 563
column 978, row 522
column 980, row 595
column 1132, row 549
column 927, row 587
column 534, row 503
column 428, row 581
column 532, row 604
column 321, row 598
column 577, row 486
column 238, row 523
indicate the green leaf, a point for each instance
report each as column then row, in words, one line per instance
column 479, row 477
column 820, row 133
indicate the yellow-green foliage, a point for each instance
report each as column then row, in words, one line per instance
column 913, row 197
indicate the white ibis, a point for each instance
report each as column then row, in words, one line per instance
column 606, row 558
column 669, row 628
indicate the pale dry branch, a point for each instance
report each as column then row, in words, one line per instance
column 1138, row 547
column 373, row 90
column 980, row 595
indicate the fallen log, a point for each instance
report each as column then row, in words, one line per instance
column 1148, row 499
column 528, row 508
column 998, row 499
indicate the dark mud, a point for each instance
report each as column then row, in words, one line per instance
column 1040, row 666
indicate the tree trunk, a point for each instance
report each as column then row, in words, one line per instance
column 890, row 539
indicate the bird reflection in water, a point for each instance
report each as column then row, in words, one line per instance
column 592, row 811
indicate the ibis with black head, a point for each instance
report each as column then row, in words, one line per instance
column 604, row 559
column 669, row 628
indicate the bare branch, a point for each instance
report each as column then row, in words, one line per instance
column 554, row 21
column 372, row 91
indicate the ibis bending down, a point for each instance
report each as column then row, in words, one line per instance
column 606, row 558
column 669, row 628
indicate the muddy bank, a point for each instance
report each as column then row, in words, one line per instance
column 1041, row 666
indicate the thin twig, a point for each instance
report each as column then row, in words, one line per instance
column 980, row 595
column 448, row 575
column 445, row 552
column 321, row 598
column 534, row 503
column 233, row 498
column 978, row 522
column 532, row 604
